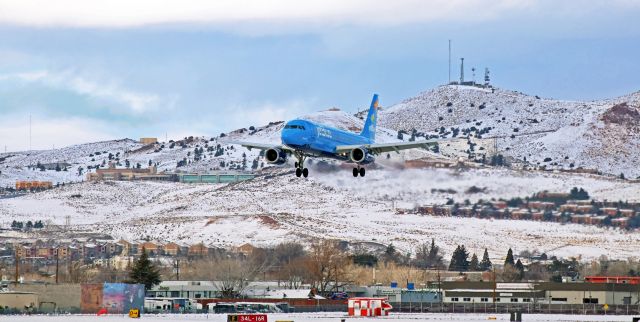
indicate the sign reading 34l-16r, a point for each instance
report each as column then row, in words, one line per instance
column 247, row 318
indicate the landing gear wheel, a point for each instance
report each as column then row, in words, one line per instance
column 355, row 172
column 362, row 172
column 298, row 172
column 305, row 172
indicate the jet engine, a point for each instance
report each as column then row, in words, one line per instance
column 360, row 155
column 275, row 156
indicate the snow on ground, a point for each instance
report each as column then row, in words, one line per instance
column 277, row 206
column 553, row 133
column 322, row 317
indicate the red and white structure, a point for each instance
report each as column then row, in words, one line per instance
column 369, row 306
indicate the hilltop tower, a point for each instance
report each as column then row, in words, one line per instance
column 461, row 70
column 486, row 77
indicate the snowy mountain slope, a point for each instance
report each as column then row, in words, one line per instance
column 21, row 165
column 277, row 207
column 553, row 133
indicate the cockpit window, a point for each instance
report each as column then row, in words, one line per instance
column 293, row 126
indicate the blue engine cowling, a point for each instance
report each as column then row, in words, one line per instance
column 361, row 155
column 275, row 156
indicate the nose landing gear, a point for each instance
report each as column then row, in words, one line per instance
column 300, row 169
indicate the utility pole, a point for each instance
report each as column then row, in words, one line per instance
column 17, row 275
column 177, row 268
column 57, row 264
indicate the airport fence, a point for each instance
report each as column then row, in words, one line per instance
column 586, row 309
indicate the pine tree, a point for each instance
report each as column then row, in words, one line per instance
column 485, row 264
column 144, row 272
column 390, row 253
column 463, row 258
column 434, row 259
column 459, row 259
column 509, row 260
column 453, row 264
column 520, row 268
column 474, row 266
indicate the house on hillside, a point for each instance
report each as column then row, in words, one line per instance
column 172, row 249
column 151, row 248
column 621, row 222
column 127, row 247
column 627, row 212
column 245, row 249
column 198, row 250
column 520, row 214
column 580, row 219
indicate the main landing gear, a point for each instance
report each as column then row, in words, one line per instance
column 359, row 171
column 300, row 169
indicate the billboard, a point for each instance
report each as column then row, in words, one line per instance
column 90, row 298
column 114, row 297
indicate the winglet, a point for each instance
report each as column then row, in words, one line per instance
column 370, row 123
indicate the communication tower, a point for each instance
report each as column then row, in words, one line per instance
column 486, row 77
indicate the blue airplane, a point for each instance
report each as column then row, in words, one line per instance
column 303, row 138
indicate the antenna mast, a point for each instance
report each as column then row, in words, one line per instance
column 449, row 62
column 29, row 132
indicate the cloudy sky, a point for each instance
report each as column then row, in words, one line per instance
column 95, row 70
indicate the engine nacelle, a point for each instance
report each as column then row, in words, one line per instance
column 360, row 155
column 275, row 156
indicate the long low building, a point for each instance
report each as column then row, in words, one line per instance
column 483, row 292
column 543, row 292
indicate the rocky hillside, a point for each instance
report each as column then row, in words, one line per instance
column 190, row 154
column 602, row 135
column 537, row 132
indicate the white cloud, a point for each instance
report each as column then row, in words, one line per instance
column 133, row 102
column 46, row 133
column 128, row 13
column 244, row 116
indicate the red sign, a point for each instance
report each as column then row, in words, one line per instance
column 249, row 318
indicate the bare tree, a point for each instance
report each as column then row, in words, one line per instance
column 232, row 277
column 327, row 266
column 510, row 274
column 293, row 273
column 78, row 273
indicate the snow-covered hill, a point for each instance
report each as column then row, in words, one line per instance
column 602, row 135
column 217, row 155
column 277, row 206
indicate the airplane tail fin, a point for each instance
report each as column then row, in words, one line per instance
column 370, row 123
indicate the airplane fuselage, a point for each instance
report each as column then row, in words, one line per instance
column 318, row 139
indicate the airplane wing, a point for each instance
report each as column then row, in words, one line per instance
column 378, row 148
column 260, row 146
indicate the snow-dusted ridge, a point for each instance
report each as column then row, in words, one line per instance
column 553, row 133
column 277, row 206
